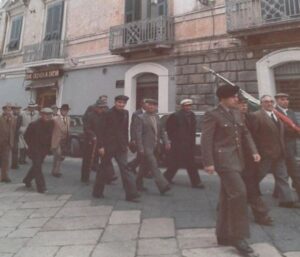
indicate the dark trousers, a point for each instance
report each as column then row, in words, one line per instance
column 140, row 162
column 22, row 158
column 35, row 172
column 232, row 221
column 292, row 168
column 86, row 161
column 15, row 157
column 103, row 173
column 251, row 180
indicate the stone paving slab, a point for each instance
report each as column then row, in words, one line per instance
column 62, row 238
column 196, row 238
column 34, row 223
column 11, row 245
column 48, row 251
column 263, row 249
column 44, row 213
column 84, row 211
column 11, row 221
column 158, row 246
column 36, row 197
column 75, row 251
column 124, row 232
column 125, row 217
column 76, row 223
column 24, row 233
column 292, row 254
column 42, row 204
column 20, row 212
column 64, row 197
column 116, row 249
column 160, row 227
column 80, row 203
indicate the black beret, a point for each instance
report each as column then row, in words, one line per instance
column 227, row 91
column 121, row 98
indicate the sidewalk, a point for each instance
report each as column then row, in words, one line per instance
column 67, row 222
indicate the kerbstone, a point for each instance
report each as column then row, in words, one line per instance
column 115, row 249
column 157, row 246
column 37, row 252
column 125, row 232
column 76, row 223
column 160, row 227
column 125, row 217
column 61, row 238
column 84, row 211
column 75, row 251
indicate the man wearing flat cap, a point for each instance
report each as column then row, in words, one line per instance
column 60, row 138
column 114, row 144
column 290, row 136
column 181, row 129
column 29, row 115
column 38, row 137
column 222, row 136
column 7, row 137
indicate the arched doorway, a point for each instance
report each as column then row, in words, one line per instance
column 131, row 85
column 147, row 87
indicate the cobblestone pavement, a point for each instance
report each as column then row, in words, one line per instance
column 67, row 222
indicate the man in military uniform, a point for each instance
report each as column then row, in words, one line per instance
column 7, row 134
column 222, row 137
column 38, row 138
column 115, row 145
column 181, row 128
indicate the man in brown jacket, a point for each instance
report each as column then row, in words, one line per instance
column 268, row 133
column 222, row 137
column 7, row 133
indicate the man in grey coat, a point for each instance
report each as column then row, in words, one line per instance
column 222, row 136
column 149, row 132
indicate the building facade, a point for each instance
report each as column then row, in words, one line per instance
column 72, row 51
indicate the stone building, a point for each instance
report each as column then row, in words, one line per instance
column 57, row 51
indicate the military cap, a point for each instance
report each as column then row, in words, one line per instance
column 47, row 111
column 227, row 91
column 101, row 103
column 186, row 102
column 32, row 104
column 279, row 95
column 65, row 107
column 151, row 101
column 121, row 98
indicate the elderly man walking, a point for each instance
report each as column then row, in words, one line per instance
column 7, row 134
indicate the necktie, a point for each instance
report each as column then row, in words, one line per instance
column 274, row 119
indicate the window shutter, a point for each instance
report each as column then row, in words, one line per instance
column 49, row 23
column 132, row 10
column 15, row 35
column 54, row 22
column 162, row 6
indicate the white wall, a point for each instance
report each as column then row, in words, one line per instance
column 185, row 6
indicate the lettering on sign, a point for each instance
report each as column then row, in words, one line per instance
column 43, row 75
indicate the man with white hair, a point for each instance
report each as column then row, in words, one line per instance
column 181, row 129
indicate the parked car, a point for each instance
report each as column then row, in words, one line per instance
column 76, row 140
column 198, row 155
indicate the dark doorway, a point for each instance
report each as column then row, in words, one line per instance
column 147, row 87
column 46, row 97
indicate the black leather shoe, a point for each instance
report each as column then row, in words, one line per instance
column 166, row 189
column 264, row 221
column 27, row 184
column 291, row 205
column 6, row 180
column 243, row 247
column 57, row 175
column 200, row 185
column 133, row 197
column 224, row 241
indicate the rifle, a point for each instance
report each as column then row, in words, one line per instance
column 286, row 120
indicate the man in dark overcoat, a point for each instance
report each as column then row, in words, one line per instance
column 38, row 137
column 115, row 145
column 15, row 151
column 181, row 129
column 222, row 137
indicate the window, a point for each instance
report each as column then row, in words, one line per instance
column 54, row 22
column 143, row 9
column 15, row 33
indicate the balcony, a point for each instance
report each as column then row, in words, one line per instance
column 157, row 33
column 44, row 53
column 258, row 16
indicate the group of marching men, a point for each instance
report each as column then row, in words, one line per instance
column 243, row 147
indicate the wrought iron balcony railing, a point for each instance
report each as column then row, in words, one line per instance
column 250, row 14
column 45, row 50
column 144, row 33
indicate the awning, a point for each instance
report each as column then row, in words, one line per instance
column 46, row 83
